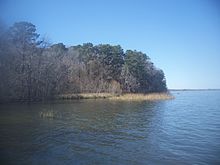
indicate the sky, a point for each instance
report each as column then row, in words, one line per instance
column 182, row 37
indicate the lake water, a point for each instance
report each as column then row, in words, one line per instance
column 185, row 130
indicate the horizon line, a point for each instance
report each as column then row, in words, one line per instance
column 187, row 89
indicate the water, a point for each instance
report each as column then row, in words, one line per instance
column 185, row 130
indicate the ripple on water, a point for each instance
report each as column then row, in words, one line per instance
column 180, row 131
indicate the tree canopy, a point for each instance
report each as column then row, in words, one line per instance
column 30, row 70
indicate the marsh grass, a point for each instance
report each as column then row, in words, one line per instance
column 125, row 97
column 142, row 97
column 86, row 96
column 49, row 114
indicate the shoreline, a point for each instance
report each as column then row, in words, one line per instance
column 121, row 97
column 106, row 96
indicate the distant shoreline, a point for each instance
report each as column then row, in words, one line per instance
column 194, row 89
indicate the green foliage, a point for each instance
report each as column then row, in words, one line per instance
column 112, row 61
column 23, row 33
column 137, row 63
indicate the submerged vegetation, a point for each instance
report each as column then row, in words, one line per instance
column 32, row 69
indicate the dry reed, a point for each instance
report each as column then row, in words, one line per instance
column 125, row 97
column 142, row 97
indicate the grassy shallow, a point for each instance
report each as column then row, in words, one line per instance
column 142, row 97
column 123, row 97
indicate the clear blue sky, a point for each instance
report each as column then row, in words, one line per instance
column 182, row 37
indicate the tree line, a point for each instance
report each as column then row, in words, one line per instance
column 32, row 69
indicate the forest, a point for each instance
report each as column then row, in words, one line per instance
column 33, row 69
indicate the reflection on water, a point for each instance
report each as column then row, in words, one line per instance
column 180, row 131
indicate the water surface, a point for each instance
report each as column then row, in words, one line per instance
column 185, row 130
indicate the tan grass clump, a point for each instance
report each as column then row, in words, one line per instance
column 47, row 114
